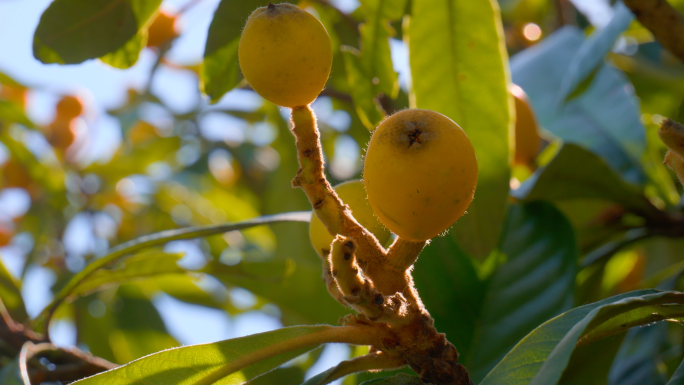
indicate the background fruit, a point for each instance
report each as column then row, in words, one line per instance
column 353, row 194
column 162, row 30
column 6, row 234
column 285, row 54
column 15, row 174
column 420, row 173
column 69, row 107
column 61, row 132
column 527, row 139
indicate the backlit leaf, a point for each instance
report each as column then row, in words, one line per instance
column 576, row 173
column 143, row 265
column 535, row 283
column 233, row 361
column 221, row 70
column 73, row 31
column 458, row 66
column 542, row 356
column 593, row 51
column 127, row 55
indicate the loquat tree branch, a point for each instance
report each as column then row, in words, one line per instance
column 663, row 20
column 402, row 254
column 335, row 215
column 375, row 282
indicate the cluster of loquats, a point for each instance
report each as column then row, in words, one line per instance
column 62, row 131
column 419, row 177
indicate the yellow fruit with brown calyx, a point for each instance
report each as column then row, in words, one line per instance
column 285, row 54
column 420, row 173
column 527, row 139
column 352, row 194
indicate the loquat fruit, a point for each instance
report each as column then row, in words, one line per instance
column 420, row 173
column 285, row 54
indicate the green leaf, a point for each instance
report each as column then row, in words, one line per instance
column 458, row 65
column 399, row 379
column 221, row 70
column 234, row 361
column 678, row 376
column 592, row 52
column 590, row 364
column 10, row 296
column 73, row 31
column 364, row 363
column 576, row 173
column 542, row 356
column 446, row 279
column 12, row 113
column 140, row 266
column 322, row 377
column 185, row 288
column 124, row 164
column 291, row 375
column 127, row 55
column 362, row 89
column 157, row 239
column 49, row 176
column 375, row 50
column 9, row 81
column 604, row 119
column 637, row 361
column 294, row 294
column 10, row 373
column 536, row 283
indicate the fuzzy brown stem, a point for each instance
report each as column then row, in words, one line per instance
column 403, row 254
column 665, row 22
column 329, row 208
column 375, row 282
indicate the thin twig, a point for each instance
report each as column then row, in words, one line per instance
column 70, row 364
